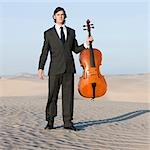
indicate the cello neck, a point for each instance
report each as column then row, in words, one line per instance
column 92, row 61
column 89, row 34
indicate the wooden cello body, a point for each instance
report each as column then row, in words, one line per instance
column 91, row 84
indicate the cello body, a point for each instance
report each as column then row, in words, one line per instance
column 91, row 84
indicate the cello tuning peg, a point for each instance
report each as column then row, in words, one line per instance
column 92, row 27
column 84, row 25
column 84, row 29
column 92, row 24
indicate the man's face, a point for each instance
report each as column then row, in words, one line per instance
column 59, row 16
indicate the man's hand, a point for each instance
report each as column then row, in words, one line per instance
column 40, row 74
column 88, row 40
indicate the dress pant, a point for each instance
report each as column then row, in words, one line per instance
column 67, row 82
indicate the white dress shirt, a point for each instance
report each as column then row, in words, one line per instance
column 58, row 29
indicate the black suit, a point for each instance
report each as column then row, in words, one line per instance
column 61, row 71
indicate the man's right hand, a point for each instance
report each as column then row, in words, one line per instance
column 40, row 74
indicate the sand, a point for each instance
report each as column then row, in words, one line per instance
column 132, row 88
column 117, row 121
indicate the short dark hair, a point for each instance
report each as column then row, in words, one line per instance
column 57, row 10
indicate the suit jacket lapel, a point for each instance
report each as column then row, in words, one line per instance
column 56, row 36
column 68, row 35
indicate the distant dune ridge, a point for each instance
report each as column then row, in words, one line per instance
column 120, row 87
column 120, row 120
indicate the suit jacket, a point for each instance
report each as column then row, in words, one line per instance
column 61, row 58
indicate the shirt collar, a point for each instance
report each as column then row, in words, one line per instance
column 57, row 26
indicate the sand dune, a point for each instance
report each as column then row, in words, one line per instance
column 120, row 87
column 117, row 121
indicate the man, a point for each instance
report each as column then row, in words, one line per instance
column 60, row 42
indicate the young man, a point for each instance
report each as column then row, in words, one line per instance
column 60, row 42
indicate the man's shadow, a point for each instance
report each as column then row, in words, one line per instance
column 84, row 124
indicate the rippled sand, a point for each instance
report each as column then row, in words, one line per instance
column 103, row 125
column 117, row 121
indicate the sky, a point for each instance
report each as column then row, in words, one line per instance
column 121, row 33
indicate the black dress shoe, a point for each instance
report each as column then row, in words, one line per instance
column 71, row 128
column 50, row 125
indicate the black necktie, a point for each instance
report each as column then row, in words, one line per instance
column 62, row 35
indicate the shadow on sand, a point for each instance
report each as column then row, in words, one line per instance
column 130, row 115
column 82, row 125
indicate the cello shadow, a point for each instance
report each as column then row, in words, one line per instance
column 82, row 125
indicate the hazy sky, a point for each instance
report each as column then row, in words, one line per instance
column 121, row 33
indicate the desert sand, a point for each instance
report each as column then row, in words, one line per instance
column 117, row 121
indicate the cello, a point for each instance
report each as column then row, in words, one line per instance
column 92, row 83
